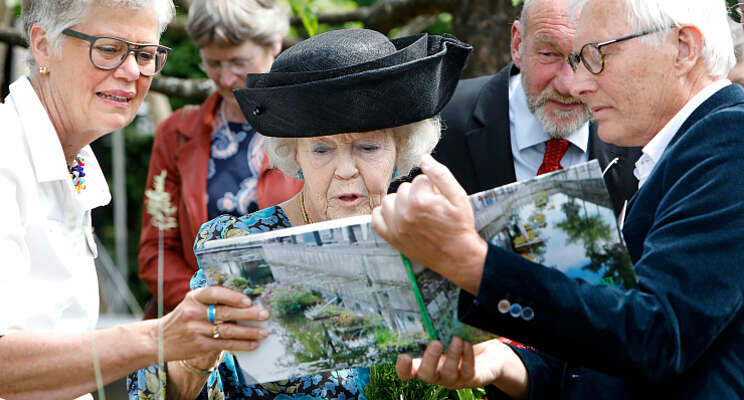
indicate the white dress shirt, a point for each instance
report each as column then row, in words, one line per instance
column 528, row 138
column 48, row 280
column 653, row 150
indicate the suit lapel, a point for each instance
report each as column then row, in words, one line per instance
column 489, row 141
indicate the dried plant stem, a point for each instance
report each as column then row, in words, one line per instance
column 97, row 367
column 160, row 306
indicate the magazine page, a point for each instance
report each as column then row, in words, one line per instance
column 339, row 297
column 562, row 220
column 342, row 297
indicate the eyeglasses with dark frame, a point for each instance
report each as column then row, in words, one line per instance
column 109, row 53
column 593, row 58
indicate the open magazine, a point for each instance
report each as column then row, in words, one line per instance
column 341, row 297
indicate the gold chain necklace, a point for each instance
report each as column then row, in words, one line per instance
column 303, row 209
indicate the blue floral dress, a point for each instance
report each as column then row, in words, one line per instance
column 227, row 381
column 235, row 157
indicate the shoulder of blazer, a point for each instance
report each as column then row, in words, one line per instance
column 476, row 100
column 729, row 96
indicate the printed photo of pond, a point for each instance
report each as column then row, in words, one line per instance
column 565, row 224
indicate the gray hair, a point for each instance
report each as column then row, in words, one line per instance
column 54, row 16
column 414, row 140
column 232, row 22
column 523, row 17
column 710, row 17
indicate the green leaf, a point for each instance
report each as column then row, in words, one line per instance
column 516, row 2
column 301, row 8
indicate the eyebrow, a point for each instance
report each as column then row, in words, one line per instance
column 115, row 36
column 544, row 39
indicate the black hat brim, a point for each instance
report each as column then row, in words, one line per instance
column 408, row 86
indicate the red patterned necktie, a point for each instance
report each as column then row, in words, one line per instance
column 555, row 149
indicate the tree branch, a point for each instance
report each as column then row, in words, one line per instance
column 12, row 36
column 385, row 14
column 192, row 89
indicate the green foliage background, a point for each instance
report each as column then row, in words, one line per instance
column 183, row 63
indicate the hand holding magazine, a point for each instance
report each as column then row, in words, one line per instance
column 342, row 297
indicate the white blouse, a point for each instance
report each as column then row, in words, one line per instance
column 48, row 279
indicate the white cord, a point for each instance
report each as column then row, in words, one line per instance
column 607, row 168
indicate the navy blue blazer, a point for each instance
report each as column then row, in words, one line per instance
column 476, row 147
column 681, row 334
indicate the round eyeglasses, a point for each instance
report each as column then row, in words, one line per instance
column 109, row 53
column 591, row 54
column 237, row 66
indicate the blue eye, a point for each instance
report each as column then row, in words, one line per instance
column 369, row 147
column 321, row 149
column 549, row 56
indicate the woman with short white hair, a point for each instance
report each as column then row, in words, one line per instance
column 92, row 64
column 348, row 112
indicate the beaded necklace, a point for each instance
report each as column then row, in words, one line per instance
column 77, row 173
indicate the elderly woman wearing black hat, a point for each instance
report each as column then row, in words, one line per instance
column 348, row 112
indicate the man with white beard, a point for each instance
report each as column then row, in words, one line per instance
column 498, row 127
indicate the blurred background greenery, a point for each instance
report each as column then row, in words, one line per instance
column 483, row 23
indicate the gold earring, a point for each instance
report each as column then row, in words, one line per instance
column 43, row 70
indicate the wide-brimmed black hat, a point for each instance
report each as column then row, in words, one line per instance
column 353, row 80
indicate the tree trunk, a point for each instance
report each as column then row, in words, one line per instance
column 486, row 25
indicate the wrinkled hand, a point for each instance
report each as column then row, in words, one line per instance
column 431, row 221
column 187, row 333
column 467, row 366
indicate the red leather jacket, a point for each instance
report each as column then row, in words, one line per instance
column 181, row 148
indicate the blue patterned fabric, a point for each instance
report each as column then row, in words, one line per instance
column 227, row 381
column 235, row 158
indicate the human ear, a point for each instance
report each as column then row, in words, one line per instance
column 516, row 44
column 39, row 45
column 275, row 48
column 689, row 46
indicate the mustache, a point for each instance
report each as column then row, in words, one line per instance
column 552, row 95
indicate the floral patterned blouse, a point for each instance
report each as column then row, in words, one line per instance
column 227, row 381
column 235, row 157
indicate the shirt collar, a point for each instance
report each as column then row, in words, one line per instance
column 654, row 149
column 45, row 149
column 528, row 132
column 46, row 152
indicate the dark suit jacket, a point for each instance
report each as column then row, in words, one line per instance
column 476, row 147
column 476, row 143
column 681, row 334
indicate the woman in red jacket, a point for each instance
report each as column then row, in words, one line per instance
column 214, row 159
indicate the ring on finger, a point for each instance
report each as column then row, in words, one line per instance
column 216, row 332
column 211, row 314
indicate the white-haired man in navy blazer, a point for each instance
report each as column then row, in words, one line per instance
column 653, row 73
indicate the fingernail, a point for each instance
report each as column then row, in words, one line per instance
column 263, row 333
column 253, row 345
column 263, row 314
column 247, row 301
